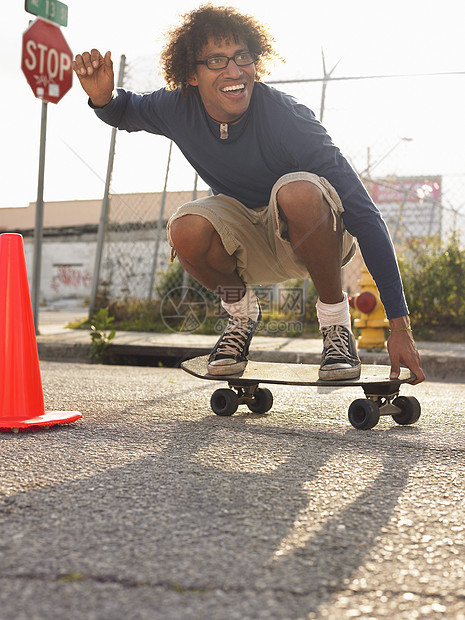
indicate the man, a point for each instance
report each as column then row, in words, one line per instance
column 286, row 204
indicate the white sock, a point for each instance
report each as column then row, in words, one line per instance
column 246, row 307
column 334, row 314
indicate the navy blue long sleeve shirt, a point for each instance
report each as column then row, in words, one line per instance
column 277, row 135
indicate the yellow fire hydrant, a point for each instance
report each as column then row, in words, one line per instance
column 372, row 321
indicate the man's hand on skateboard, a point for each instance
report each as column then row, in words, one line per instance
column 403, row 351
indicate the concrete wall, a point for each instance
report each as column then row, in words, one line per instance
column 67, row 268
column 70, row 237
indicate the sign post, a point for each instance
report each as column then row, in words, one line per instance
column 46, row 63
column 39, row 219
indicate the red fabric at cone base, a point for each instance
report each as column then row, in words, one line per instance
column 21, row 394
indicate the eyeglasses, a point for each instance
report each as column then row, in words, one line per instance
column 215, row 63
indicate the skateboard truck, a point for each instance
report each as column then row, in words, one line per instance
column 382, row 400
column 225, row 401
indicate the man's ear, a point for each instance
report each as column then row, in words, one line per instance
column 192, row 81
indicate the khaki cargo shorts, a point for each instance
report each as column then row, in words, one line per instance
column 258, row 237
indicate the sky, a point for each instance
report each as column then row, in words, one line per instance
column 366, row 118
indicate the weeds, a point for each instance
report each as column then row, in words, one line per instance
column 101, row 339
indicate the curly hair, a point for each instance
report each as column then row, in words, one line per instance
column 185, row 42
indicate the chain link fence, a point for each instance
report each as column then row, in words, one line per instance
column 135, row 253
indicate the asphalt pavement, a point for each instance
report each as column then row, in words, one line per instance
column 151, row 507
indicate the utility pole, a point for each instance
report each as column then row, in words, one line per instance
column 326, row 78
column 102, row 227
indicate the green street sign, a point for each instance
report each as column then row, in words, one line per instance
column 52, row 10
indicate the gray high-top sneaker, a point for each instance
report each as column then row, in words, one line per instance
column 229, row 355
column 339, row 359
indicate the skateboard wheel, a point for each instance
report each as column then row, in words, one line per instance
column 262, row 402
column 224, row 402
column 363, row 414
column 410, row 410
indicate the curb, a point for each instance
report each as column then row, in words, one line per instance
column 436, row 367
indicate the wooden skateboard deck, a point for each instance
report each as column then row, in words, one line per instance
column 382, row 393
column 293, row 374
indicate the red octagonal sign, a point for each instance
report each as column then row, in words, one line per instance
column 46, row 61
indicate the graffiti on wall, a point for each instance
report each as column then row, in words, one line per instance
column 71, row 278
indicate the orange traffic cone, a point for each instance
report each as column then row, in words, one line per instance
column 21, row 394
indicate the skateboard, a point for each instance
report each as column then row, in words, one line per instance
column 381, row 392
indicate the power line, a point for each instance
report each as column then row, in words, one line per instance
column 328, row 78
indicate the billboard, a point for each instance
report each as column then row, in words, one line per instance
column 410, row 206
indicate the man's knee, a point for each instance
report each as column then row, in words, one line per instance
column 193, row 237
column 301, row 199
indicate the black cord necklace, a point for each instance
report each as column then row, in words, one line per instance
column 225, row 127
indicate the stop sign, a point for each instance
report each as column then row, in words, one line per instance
column 46, row 61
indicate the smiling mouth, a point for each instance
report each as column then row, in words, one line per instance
column 236, row 88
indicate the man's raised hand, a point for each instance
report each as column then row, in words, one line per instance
column 95, row 72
